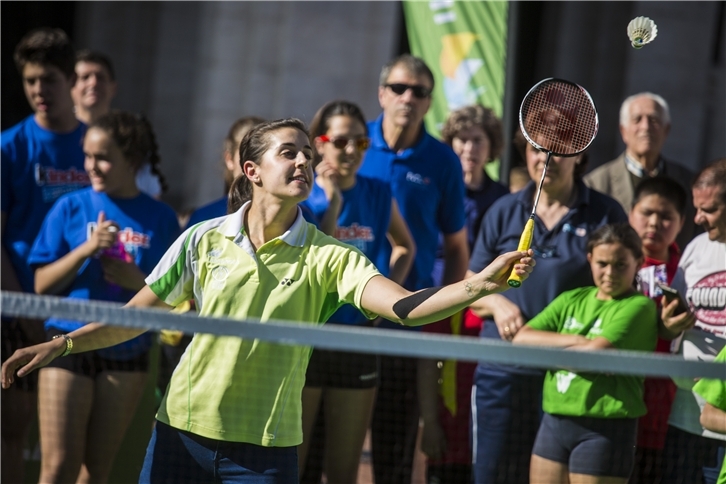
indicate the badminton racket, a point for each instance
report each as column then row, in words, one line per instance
column 559, row 118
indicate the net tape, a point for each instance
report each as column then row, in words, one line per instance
column 362, row 340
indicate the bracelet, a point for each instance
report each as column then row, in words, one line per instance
column 69, row 343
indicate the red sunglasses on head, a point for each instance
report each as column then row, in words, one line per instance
column 341, row 142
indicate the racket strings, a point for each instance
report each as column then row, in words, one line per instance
column 559, row 117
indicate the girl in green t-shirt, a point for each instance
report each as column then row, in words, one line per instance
column 588, row 431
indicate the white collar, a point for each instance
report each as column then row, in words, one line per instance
column 233, row 227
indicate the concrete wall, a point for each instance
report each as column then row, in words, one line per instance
column 195, row 67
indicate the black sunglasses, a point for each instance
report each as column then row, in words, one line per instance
column 420, row 92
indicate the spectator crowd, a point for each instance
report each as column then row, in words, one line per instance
column 82, row 217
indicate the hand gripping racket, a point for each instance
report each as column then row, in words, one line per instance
column 559, row 118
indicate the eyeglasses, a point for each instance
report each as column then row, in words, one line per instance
column 341, row 142
column 420, row 92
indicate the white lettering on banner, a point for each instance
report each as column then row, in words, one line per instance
column 444, row 17
column 564, row 378
column 441, row 4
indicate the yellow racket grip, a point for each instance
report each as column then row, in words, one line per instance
column 524, row 242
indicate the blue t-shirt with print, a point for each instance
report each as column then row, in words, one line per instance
column 363, row 223
column 38, row 166
column 147, row 228
column 428, row 184
column 561, row 252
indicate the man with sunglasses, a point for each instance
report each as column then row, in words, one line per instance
column 427, row 182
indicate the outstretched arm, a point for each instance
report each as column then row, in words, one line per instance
column 386, row 298
column 89, row 337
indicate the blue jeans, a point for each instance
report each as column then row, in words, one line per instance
column 506, row 413
column 175, row 457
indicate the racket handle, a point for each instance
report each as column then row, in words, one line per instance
column 524, row 243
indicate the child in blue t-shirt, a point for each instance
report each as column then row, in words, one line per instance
column 98, row 244
column 588, row 430
column 360, row 211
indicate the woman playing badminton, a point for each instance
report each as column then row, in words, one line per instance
column 232, row 409
column 588, row 432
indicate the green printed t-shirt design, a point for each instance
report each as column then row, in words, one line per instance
column 628, row 323
column 246, row 390
column 714, row 392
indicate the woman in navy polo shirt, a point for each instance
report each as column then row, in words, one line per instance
column 507, row 403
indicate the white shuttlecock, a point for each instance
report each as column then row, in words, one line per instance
column 641, row 30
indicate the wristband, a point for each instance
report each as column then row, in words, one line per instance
column 69, row 343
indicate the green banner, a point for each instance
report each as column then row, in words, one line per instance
column 464, row 43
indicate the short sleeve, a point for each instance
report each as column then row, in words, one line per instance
column 172, row 280
column 50, row 243
column 350, row 277
column 714, row 391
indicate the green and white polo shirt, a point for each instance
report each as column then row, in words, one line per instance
column 241, row 390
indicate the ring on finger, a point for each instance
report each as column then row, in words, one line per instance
column 506, row 329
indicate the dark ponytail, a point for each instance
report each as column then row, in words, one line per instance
column 253, row 146
column 240, row 191
column 231, row 143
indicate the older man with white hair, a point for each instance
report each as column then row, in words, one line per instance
column 644, row 126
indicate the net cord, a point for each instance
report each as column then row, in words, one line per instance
column 362, row 340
